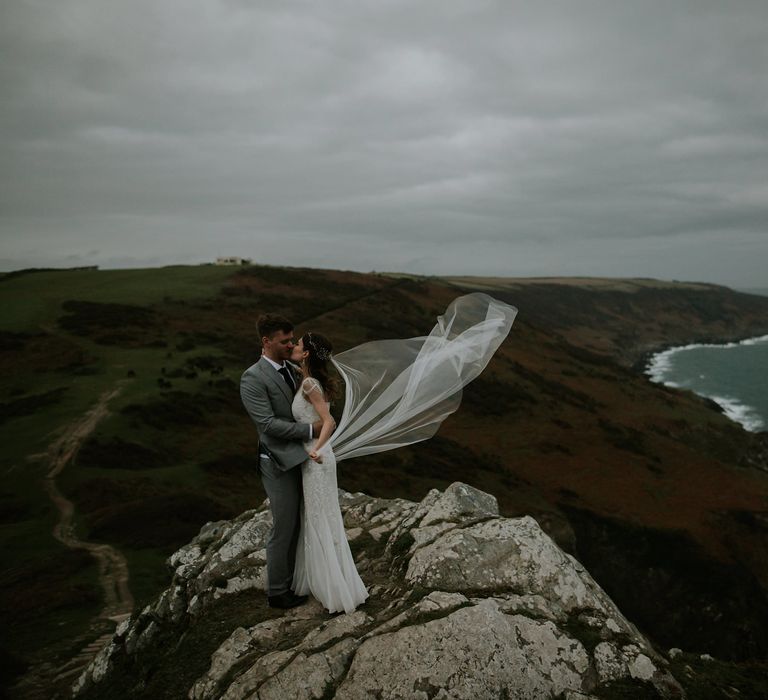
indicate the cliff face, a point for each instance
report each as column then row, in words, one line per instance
column 464, row 604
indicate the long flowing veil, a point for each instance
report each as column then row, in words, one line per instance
column 399, row 391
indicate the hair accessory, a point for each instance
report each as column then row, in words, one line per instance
column 320, row 352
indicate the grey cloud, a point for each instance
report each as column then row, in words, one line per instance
column 515, row 138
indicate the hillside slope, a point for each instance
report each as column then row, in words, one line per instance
column 660, row 496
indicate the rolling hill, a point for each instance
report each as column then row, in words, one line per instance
column 120, row 394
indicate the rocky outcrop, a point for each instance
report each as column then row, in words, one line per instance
column 464, row 604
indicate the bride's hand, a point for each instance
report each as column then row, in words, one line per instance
column 315, row 457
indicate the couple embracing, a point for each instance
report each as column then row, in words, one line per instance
column 396, row 392
column 287, row 393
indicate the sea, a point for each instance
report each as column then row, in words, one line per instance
column 735, row 375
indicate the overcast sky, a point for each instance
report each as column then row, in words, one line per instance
column 582, row 137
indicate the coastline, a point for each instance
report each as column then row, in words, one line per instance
column 653, row 365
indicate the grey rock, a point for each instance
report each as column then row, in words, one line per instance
column 460, row 503
column 513, row 555
column 223, row 659
column 264, row 668
column 354, row 533
column 309, row 676
column 336, row 628
column 464, row 604
column 610, row 663
column 437, row 600
column 476, row 652
column 640, row 666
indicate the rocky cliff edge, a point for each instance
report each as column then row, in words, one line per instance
column 463, row 604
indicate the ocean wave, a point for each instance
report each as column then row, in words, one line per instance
column 660, row 364
column 741, row 413
column 747, row 341
column 755, row 341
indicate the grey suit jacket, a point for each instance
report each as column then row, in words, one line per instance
column 268, row 398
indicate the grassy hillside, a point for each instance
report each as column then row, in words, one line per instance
column 661, row 496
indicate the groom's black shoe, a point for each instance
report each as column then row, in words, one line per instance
column 286, row 600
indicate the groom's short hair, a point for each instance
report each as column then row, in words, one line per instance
column 269, row 324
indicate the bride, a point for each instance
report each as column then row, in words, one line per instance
column 324, row 563
column 397, row 392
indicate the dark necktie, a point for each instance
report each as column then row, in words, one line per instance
column 288, row 378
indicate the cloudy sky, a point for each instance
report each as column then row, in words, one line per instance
column 574, row 137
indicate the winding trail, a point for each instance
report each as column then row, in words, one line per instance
column 113, row 567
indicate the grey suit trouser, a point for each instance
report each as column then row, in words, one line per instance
column 284, row 490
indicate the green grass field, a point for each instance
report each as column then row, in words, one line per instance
column 39, row 356
column 33, row 300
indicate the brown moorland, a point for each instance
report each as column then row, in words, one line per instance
column 663, row 498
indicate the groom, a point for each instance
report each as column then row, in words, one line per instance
column 267, row 389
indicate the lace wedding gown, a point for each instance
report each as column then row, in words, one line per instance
column 324, row 563
column 397, row 392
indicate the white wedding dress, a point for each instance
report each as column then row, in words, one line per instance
column 397, row 392
column 324, row 564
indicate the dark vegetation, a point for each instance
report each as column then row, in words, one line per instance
column 27, row 405
column 14, row 509
column 42, row 352
column 7, row 276
column 121, row 454
column 231, row 465
column 493, row 397
column 173, row 409
column 627, row 689
column 141, row 513
column 10, row 341
column 442, row 458
column 623, row 437
column 568, row 307
column 47, row 586
column 558, row 426
column 109, row 324
column 664, row 582
column 157, row 521
column 556, row 391
column 715, row 679
column 48, row 592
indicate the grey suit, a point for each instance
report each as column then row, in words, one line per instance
column 267, row 398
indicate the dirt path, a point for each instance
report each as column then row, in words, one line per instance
column 113, row 567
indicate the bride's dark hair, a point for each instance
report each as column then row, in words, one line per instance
column 319, row 349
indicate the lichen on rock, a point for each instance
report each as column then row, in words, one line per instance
column 464, row 604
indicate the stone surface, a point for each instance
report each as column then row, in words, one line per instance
column 476, row 652
column 464, row 604
column 512, row 555
column 460, row 503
